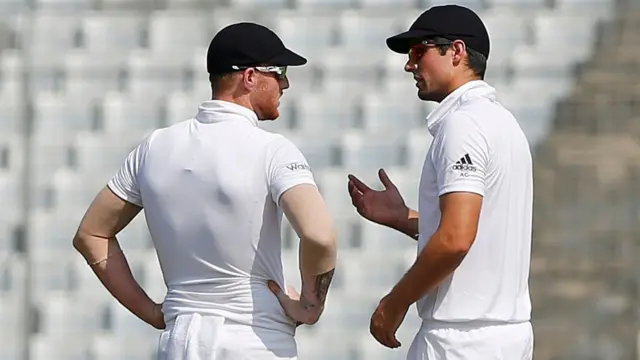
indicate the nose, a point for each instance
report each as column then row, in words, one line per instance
column 410, row 66
column 284, row 83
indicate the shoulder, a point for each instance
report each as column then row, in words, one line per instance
column 463, row 123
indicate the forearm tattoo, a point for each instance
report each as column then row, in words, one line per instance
column 319, row 291
column 322, row 284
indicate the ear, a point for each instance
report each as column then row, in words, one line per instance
column 250, row 78
column 459, row 51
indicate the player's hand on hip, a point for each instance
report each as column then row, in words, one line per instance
column 385, row 207
column 386, row 320
column 301, row 310
column 156, row 318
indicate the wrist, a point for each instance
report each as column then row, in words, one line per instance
column 401, row 223
column 397, row 299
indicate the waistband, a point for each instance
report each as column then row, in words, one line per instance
column 467, row 325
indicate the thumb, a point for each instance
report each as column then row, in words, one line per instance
column 275, row 288
column 384, row 178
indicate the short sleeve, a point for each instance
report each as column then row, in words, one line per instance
column 287, row 167
column 125, row 183
column 461, row 156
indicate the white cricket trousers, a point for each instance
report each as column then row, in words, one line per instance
column 450, row 341
column 198, row 337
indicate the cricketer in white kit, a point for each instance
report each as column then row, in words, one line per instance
column 473, row 225
column 214, row 189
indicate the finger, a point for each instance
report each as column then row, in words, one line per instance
column 293, row 293
column 359, row 184
column 357, row 198
column 275, row 288
column 378, row 333
column 352, row 189
column 384, row 178
column 385, row 338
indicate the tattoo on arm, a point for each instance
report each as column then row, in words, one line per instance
column 322, row 284
column 319, row 291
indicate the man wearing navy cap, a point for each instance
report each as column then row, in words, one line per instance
column 473, row 224
column 214, row 189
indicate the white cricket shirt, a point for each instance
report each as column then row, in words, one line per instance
column 479, row 147
column 210, row 187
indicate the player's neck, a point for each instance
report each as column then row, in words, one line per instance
column 242, row 100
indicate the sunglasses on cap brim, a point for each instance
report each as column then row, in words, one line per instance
column 280, row 71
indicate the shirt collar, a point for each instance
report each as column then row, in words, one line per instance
column 213, row 111
column 470, row 90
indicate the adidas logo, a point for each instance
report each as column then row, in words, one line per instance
column 464, row 164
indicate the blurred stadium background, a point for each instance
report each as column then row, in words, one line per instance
column 82, row 81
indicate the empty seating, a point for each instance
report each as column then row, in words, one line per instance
column 310, row 35
column 260, row 3
column 323, row 4
column 319, row 152
column 333, row 186
column 51, row 33
column 418, row 143
column 177, row 33
column 62, row 317
column 107, row 347
column 126, row 325
column 112, row 33
column 326, row 113
column 130, row 115
column 350, row 73
column 49, row 348
column 360, row 31
column 371, row 151
column 12, row 315
column 572, row 34
column 393, row 110
column 153, row 76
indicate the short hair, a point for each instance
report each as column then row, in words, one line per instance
column 218, row 81
column 476, row 61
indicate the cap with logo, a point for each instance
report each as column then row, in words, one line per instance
column 452, row 22
column 248, row 44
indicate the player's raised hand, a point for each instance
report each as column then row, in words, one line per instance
column 385, row 207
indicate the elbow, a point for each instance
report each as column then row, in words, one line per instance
column 456, row 244
column 81, row 243
column 326, row 240
column 78, row 242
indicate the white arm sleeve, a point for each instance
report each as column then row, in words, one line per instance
column 287, row 168
column 125, row 183
column 461, row 157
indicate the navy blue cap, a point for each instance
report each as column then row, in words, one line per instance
column 248, row 44
column 452, row 22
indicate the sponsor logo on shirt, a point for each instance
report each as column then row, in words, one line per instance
column 464, row 164
column 300, row 166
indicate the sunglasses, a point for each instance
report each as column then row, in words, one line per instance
column 418, row 50
column 280, row 71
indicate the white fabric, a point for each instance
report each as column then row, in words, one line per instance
column 197, row 337
column 209, row 187
column 472, row 342
column 479, row 147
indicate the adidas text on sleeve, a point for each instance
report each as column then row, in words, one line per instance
column 461, row 156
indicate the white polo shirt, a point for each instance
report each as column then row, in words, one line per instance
column 210, row 187
column 479, row 147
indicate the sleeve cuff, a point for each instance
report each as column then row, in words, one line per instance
column 288, row 185
column 461, row 188
column 123, row 195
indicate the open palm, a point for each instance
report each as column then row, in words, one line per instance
column 384, row 207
